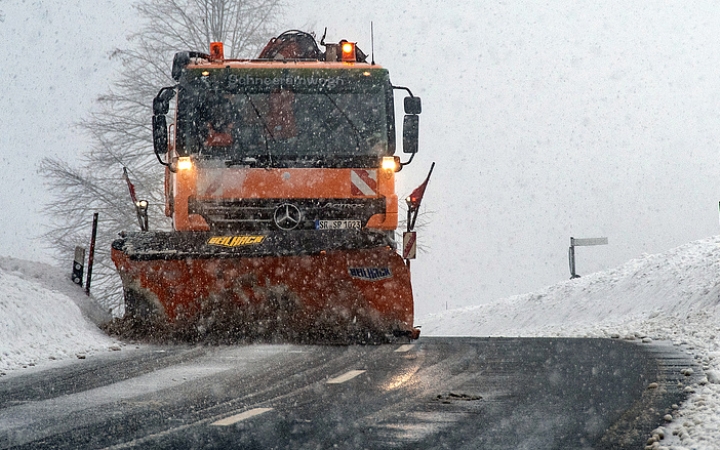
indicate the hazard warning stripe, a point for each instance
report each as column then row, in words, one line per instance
column 409, row 245
column 363, row 182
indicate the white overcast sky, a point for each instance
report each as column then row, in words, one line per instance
column 546, row 119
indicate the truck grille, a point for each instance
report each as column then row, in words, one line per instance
column 257, row 214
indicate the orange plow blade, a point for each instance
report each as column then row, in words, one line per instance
column 329, row 286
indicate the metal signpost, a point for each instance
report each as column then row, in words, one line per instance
column 91, row 257
column 581, row 243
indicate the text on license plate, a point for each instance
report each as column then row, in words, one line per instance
column 337, row 225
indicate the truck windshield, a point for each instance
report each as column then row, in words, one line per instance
column 241, row 115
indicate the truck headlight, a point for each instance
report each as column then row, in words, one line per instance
column 390, row 163
column 184, row 163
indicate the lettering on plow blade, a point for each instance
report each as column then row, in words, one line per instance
column 235, row 241
column 370, row 273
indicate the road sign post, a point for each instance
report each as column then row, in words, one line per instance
column 581, row 243
column 91, row 256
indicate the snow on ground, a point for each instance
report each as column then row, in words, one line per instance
column 44, row 317
column 674, row 296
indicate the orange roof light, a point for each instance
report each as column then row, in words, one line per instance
column 348, row 51
column 216, row 51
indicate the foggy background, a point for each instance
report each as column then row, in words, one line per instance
column 546, row 121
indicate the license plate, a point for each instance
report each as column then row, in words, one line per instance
column 337, row 225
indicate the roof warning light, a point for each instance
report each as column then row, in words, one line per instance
column 216, row 51
column 348, row 51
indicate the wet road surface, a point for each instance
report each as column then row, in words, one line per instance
column 454, row 393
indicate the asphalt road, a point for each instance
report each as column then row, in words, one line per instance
column 454, row 393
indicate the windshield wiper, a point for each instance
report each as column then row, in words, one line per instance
column 347, row 118
column 269, row 132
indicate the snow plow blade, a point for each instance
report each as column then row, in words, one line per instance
column 334, row 286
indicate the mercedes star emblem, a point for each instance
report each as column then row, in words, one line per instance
column 287, row 216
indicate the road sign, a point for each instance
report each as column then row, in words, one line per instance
column 589, row 241
column 78, row 266
column 581, row 243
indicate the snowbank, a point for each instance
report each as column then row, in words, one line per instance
column 673, row 296
column 44, row 317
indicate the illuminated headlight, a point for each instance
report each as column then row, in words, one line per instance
column 184, row 163
column 142, row 204
column 390, row 163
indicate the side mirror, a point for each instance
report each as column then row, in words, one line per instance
column 410, row 133
column 161, row 106
column 161, row 102
column 413, row 105
column 160, row 135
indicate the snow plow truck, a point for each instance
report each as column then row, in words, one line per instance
column 280, row 182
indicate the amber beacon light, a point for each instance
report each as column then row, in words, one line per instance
column 216, row 51
column 348, row 51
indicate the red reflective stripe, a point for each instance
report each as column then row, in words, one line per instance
column 363, row 182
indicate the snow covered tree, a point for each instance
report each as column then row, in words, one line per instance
column 120, row 127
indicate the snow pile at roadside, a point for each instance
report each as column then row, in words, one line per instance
column 44, row 317
column 683, row 283
column 673, row 296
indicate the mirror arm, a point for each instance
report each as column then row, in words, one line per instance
column 403, row 164
column 403, row 88
column 157, row 155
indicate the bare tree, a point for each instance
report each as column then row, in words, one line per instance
column 121, row 131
